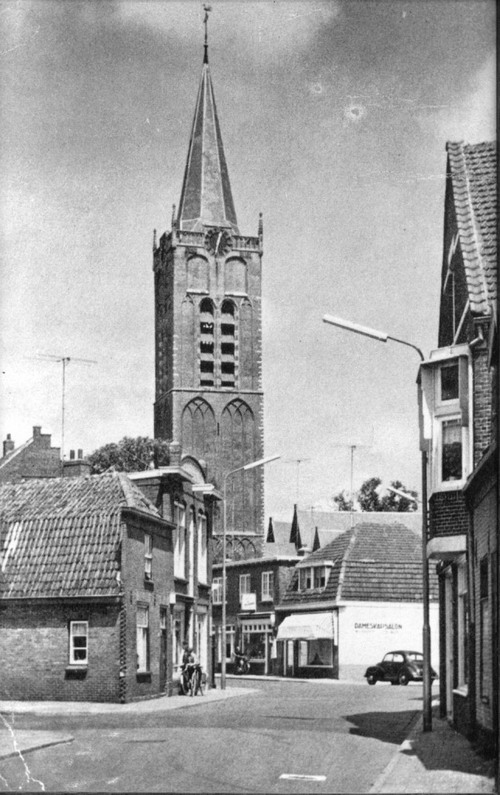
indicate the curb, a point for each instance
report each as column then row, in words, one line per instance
column 36, row 746
column 414, row 729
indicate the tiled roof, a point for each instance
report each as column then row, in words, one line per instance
column 61, row 536
column 371, row 562
column 473, row 170
column 334, row 522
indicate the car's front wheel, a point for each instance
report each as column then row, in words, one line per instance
column 371, row 679
column 403, row 678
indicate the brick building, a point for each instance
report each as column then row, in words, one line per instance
column 208, row 327
column 353, row 600
column 93, row 604
column 254, row 588
column 189, row 504
column 458, row 396
column 36, row 458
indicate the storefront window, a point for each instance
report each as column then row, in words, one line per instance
column 319, row 652
column 254, row 645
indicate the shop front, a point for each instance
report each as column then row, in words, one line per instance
column 306, row 646
column 256, row 639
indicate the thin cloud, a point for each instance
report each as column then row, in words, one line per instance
column 275, row 26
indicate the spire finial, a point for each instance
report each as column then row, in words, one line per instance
column 207, row 10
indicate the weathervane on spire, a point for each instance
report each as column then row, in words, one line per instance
column 207, row 10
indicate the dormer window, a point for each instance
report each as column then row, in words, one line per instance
column 313, row 577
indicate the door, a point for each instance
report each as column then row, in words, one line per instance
column 163, row 648
column 448, row 607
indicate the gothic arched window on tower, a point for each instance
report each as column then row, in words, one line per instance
column 227, row 344
column 238, row 447
column 207, row 342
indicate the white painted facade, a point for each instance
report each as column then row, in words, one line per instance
column 367, row 630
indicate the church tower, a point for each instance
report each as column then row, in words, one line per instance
column 208, row 328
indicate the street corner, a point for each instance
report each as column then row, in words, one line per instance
column 17, row 743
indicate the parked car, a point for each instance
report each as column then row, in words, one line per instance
column 398, row 668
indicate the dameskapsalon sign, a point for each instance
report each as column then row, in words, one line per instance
column 371, row 625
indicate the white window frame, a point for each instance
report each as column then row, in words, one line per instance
column 190, row 551
column 148, row 556
column 73, row 634
column 142, row 638
column 217, row 590
column 202, row 549
column 450, row 484
column 461, row 623
column 180, row 541
column 267, row 586
column 245, row 584
column 440, row 401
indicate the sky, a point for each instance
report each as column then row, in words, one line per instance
column 334, row 118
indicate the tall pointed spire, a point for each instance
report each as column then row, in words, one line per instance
column 206, row 198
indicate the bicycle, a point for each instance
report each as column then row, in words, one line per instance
column 192, row 681
column 242, row 666
column 197, row 682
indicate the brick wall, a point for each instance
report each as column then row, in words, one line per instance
column 37, row 460
column 486, row 545
column 152, row 593
column 482, row 403
column 34, row 639
column 447, row 514
column 178, row 370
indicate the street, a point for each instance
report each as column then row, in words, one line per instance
column 344, row 734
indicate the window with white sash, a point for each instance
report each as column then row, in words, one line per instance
column 78, row 642
column 267, row 586
column 142, row 638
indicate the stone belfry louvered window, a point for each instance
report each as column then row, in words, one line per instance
column 207, row 343
column 227, row 344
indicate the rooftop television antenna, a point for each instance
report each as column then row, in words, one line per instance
column 65, row 360
column 297, row 461
column 352, row 446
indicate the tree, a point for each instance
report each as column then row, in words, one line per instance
column 130, row 455
column 369, row 499
column 395, row 502
column 343, row 501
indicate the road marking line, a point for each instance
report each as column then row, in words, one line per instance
column 299, row 776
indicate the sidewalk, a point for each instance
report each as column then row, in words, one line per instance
column 438, row 761
column 15, row 742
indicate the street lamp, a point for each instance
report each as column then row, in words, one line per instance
column 261, row 462
column 382, row 336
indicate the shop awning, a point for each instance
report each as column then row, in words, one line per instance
column 306, row 626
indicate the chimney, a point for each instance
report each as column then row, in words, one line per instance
column 71, row 455
column 37, row 431
column 80, row 455
column 8, row 445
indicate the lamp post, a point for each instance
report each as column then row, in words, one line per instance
column 382, row 336
column 252, row 465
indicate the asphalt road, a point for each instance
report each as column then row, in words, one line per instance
column 343, row 733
